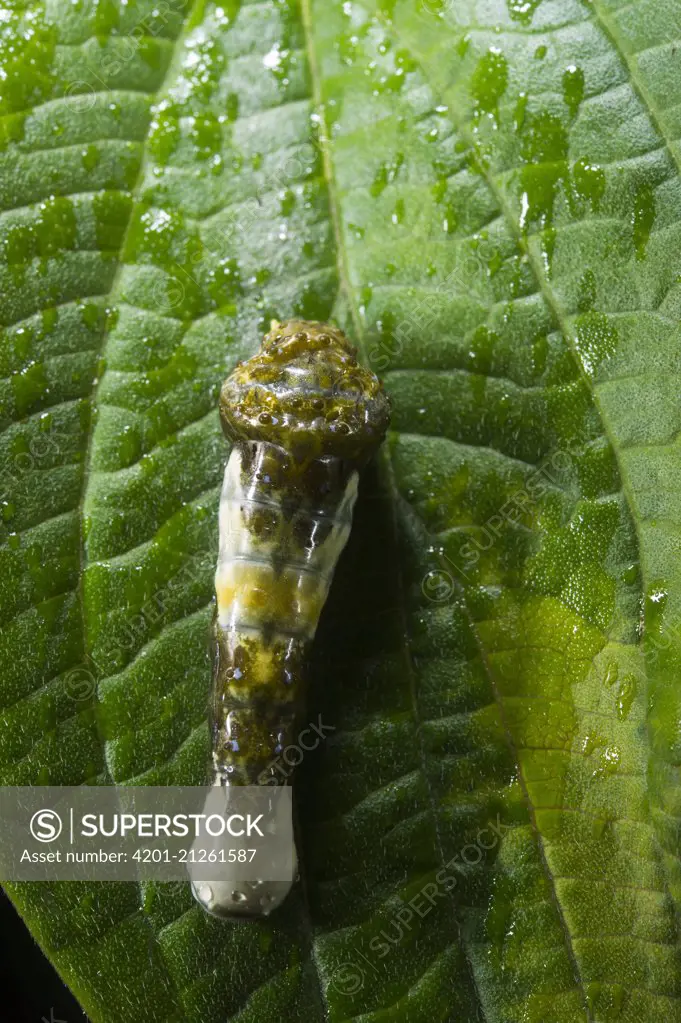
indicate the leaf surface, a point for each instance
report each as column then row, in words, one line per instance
column 486, row 194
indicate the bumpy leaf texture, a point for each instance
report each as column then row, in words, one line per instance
column 486, row 194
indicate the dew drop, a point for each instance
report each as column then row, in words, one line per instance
column 643, row 218
column 573, row 88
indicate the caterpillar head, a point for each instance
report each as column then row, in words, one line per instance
column 305, row 391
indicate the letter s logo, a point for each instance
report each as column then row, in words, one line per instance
column 46, row 825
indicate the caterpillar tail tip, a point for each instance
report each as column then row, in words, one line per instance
column 256, row 897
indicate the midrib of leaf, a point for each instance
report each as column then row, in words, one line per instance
column 532, row 814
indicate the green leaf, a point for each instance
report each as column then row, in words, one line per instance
column 487, row 195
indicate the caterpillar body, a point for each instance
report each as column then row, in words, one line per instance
column 304, row 417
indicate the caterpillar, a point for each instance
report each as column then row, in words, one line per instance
column 304, row 418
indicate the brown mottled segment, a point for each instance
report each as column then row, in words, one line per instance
column 305, row 391
column 304, row 418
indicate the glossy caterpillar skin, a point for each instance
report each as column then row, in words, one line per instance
column 304, row 417
column 281, row 532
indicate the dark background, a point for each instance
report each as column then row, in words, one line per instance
column 30, row 989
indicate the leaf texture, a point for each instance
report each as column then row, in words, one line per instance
column 486, row 194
